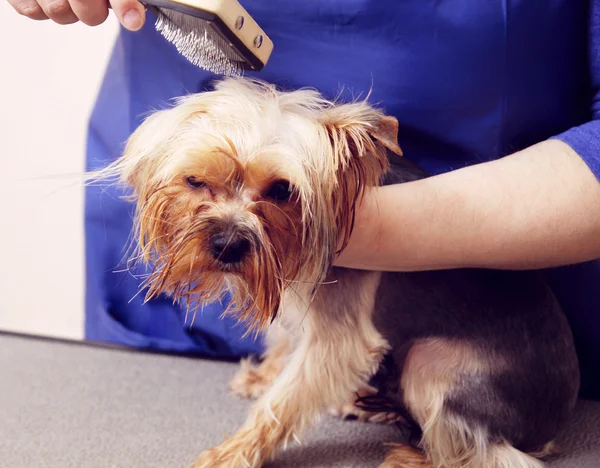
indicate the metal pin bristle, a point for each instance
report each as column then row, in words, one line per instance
column 198, row 43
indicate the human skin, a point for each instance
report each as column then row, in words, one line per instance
column 536, row 208
column 131, row 13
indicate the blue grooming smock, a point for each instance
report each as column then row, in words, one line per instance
column 468, row 80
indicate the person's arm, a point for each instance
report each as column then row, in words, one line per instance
column 537, row 208
column 131, row 13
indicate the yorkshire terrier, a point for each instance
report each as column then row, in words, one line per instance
column 252, row 191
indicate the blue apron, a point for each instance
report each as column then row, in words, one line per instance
column 468, row 80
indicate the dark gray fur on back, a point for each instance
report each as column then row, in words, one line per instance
column 511, row 315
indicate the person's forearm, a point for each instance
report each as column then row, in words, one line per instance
column 534, row 209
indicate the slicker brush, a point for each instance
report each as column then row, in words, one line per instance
column 216, row 35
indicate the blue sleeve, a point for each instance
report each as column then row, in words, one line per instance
column 585, row 139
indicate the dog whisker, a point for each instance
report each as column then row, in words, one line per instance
column 140, row 291
column 312, row 283
column 193, row 317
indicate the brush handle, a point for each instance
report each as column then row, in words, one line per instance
column 235, row 19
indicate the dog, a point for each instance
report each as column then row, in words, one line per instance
column 250, row 190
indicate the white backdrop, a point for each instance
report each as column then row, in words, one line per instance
column 49, row 77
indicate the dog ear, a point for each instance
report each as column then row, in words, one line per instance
column 360, row 137
column 140, row 157
column 144, row 157
column 142, row 154
column 386, row 133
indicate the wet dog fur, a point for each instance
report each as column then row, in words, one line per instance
column 480, row 362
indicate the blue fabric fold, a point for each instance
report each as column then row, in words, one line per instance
column 468, row 81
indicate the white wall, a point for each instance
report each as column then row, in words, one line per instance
column 49, row 77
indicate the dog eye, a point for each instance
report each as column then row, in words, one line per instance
column 194, row 182
column 280, row 191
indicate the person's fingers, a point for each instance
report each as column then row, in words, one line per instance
column 90, row 12
column 131, row 13
column 29, row 8
column 58, row 11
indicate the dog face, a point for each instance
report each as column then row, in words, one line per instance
column 247, row 189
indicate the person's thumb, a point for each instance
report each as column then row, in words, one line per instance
column 131, row 13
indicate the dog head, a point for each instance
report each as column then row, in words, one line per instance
column 247, row 189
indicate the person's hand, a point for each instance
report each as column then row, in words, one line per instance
column 131, row 13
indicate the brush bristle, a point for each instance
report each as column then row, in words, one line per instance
column 195, row 39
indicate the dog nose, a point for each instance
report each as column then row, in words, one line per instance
column 229, row 248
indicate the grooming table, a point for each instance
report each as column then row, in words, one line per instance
column 76, row 405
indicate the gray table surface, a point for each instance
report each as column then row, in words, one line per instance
column 66, row 405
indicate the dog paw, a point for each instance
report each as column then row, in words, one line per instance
column 252, row 380
column 405, row 456
column 206, row 460
column 213, row 458
column 220, row 457
column 349, row 412
column 247, row 448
